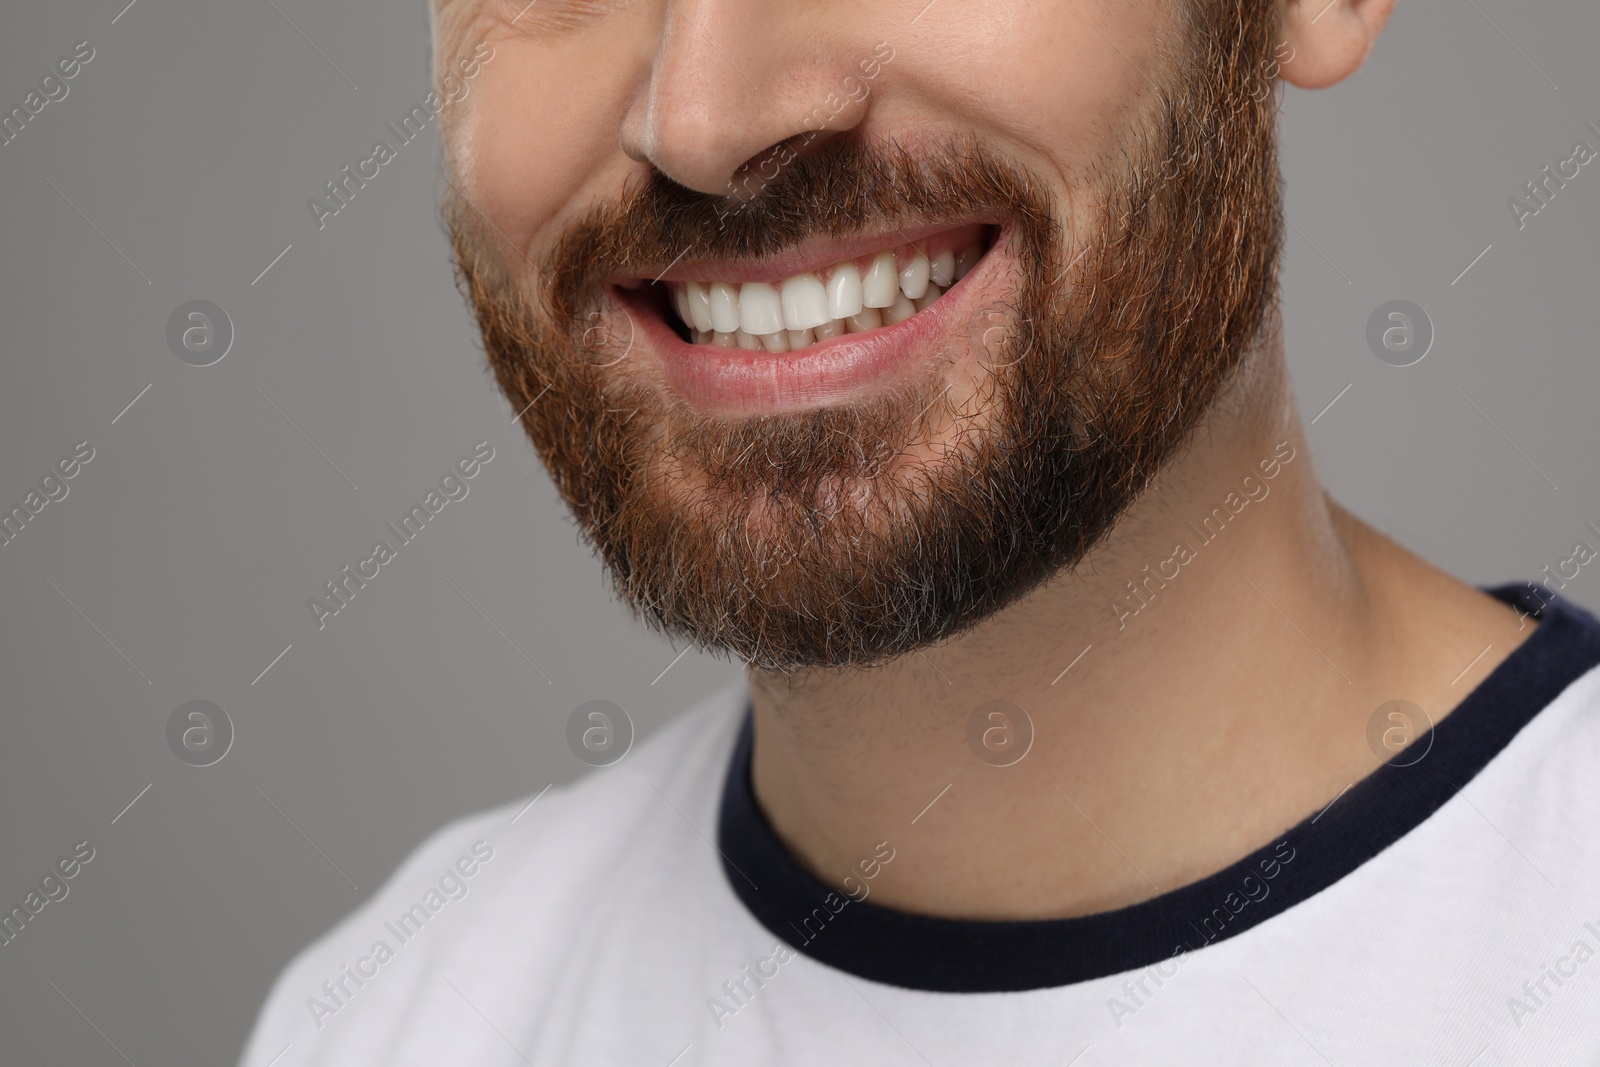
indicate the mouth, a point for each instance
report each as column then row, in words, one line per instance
column 815, row 325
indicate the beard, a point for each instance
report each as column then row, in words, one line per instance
column 849, row 535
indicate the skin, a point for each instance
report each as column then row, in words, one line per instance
column 1232, row 707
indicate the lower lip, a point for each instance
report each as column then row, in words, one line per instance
column 736, row 382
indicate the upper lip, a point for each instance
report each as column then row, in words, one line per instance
column 813, row 254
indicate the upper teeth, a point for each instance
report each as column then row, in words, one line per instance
column 817, row 305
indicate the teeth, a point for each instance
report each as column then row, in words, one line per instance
column 844, row 292
column 760, row 308
column 966, row 259
column 808, row 308
column 869, row 319
column 899, row 311
column 699, row 306
column 724, row 308
column 805, row 302
column 882, row 282
column 914, row 279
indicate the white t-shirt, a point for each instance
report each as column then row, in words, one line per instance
column 1446, row 911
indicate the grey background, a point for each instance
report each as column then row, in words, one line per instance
column 192, row 540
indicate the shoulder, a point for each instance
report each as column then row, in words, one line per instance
column 498, row 881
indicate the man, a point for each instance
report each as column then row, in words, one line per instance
column 926, row 357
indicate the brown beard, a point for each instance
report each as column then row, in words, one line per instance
column 847, row 536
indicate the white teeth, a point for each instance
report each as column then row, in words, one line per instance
column 760, row 308
column 724, row 308
column 966, row 259
column 914, row 279
column 881, row 284
column 699, row 305
column 869, row 319
column 800, row 311
column 844, row 291
column 805, row 302
column 899, row 311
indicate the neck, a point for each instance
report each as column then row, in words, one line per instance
column 1198, row 684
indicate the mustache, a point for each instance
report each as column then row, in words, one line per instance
column 849, row 186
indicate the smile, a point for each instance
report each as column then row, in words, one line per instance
column 818, row 325
column 852, row 296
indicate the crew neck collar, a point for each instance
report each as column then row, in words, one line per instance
column 972, row 956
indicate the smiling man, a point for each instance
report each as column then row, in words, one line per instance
column 927, row 359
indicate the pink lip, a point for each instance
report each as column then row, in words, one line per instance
column 737, row 383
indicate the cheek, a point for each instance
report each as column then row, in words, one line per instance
column 540, row 134
column 1057, row 82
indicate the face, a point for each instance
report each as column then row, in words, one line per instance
column 842, row 326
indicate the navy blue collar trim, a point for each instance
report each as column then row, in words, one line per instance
column 965, row 956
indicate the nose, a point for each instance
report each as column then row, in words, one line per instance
column 733, row 80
